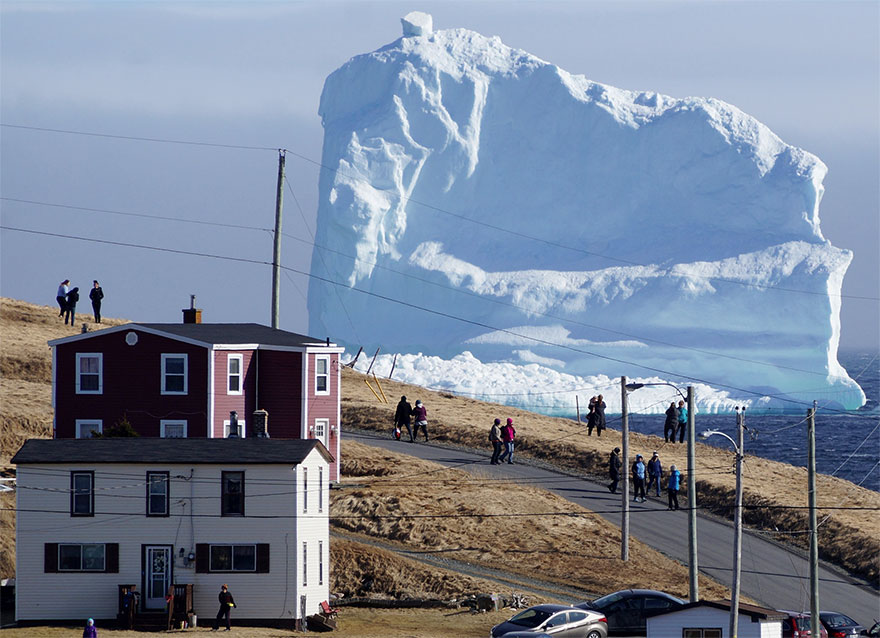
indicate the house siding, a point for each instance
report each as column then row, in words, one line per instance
column 272, row 516
column 280, row 374
column 131, row 378
column 324, row 406
column 224, row 403
column 671, row 625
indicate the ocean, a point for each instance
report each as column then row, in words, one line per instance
column 847, row 444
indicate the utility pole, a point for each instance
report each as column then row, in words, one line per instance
column 624, row 468
column 276, row 253
column 814, row 531
column 693, row 569
column 737, row 526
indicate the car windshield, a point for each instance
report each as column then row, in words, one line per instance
column 803, row 623
column 530, row 618
column 606, row 600
column 837, row 620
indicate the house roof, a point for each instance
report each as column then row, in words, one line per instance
column 139, row 450
column 213, row 334
column 755, row 612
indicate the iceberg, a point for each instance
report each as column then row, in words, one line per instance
column 477, row 199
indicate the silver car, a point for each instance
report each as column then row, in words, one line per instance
column 559, row 621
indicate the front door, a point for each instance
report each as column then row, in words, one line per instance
column 157, row 575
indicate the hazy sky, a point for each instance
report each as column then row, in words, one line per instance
column 250, row 74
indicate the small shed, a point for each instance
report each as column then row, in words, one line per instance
column 711, row 619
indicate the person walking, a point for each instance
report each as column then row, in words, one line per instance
column 682, row 420
column 670, row 424
column 655, row 471
column 402, row 416
column 508, row 434
column 614, row 470
column 96, row 295
column 70, row 308
column 420, row 416
column 61, row 296
column 90, row 631
column 227, row 604
column 600, row 415
column 638, row 472
column 672, row 486
column 495, row 439
column 591, row 416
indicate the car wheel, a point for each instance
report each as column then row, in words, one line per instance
column 594, row 634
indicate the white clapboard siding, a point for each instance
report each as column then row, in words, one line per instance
column 704, row 617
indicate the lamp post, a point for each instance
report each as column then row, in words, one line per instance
column 737, row 520
column 693, row 568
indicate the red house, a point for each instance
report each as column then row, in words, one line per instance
column 198, row 380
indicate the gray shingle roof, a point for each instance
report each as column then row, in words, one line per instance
column 233, row 333
column 149, row 450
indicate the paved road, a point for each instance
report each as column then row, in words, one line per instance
column 771, row 574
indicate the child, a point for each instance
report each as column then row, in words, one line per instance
column 90, row 630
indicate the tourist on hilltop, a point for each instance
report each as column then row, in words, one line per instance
column 420, row 416
column 402, row 416
column 682, row 420
column 614, row 470
column 591, row 416
column 61, row 296
column 96, row 295
column 673, row 484
column 638, row 473
column 670, row 424
column 600, row 415
column 70, row 308
column 495, row 439
column 655, row 471
column 508, row 434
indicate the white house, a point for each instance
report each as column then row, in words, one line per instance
column 94, row 514
column 711, row 619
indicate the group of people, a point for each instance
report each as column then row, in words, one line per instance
column 405, row 413
column 645, row 476
column 501, row 437
column 676, row 422
column 67, row 298
column 596, row 416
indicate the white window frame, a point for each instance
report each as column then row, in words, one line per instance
column 322, row 426
column 162, row 375
column 305, row 489
column 320, row 562
column 242, row 430
column 325, row 375
column 320, row 489
column 305, row 564
column 229, row 375
column 164, row 423
column 90, row 355
column 82, row 547
column 232, row 568
column 81, row 422
column 716, row 631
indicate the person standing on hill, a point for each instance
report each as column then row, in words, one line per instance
column 638, row 473
column 420, row 416
column 682, row 421
column 70, row 309
column 508, row 434
column 670, row 424
column 61, row 296
column 614, row 470
column 591, row 416
column 495, row 439
column 227, row 604
column 96, row 295
column 672, row 486
column 655, row 471
column 600, row 415
column 402, row 416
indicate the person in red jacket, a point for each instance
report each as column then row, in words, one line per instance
column 508, row 434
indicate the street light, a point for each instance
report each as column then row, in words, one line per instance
column 737, row 521
column 693, row 569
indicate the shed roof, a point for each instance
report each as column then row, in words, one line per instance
column 138, row 450
column 755, row 612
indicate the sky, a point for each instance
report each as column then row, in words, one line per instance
column 223, row 85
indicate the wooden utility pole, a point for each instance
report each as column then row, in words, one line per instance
column 624, row 468
column 737, row 525
column 276, row 253
column 693, row 568
column 814, row 531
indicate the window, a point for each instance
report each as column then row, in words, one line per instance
column 158, row 496
column 233, row 558
column 693, row 632
column 85, row 428
column 81, row 557
column 174, row 373
column 305, row 489
column 232, row 493
column 241, row 428
column 320, row 489
column 82, row 494
column 89, row 373
column 169, row 429
column 320, row 562
column 322, row 374
column 233, row 374
column 305, row 563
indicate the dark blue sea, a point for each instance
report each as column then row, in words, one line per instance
column 847, row 444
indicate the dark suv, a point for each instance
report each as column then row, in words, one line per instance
column 627, row 610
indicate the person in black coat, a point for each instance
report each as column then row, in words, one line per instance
column 670, row 424
column 591, row 416
column 600, row 415
column 96, row 294
column 402, row 416
column 70, row 308
column 227, row 603
column 614, row 470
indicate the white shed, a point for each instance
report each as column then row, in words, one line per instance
column 711, row 619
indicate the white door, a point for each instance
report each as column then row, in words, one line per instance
column 157, row 574
column 321, row 427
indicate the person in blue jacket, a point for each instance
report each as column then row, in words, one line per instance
column 638, row 473
column 682, row 421
column 672, row 486
column 655, row 472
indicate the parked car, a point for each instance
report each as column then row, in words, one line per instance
column 797, row 625
column 839, row 625
column 626, row 610
column 560, row 621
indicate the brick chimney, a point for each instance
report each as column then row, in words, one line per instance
column 192, row 314
column 260, row 424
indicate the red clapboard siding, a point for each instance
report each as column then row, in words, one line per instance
column 280, row 392
column 224, row 403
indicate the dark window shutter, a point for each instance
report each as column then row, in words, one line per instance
column 50, row 558
column 111, row 558
column 203, row 558
column 262, row 558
